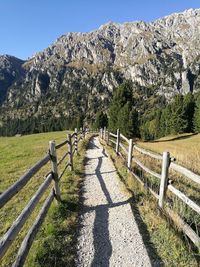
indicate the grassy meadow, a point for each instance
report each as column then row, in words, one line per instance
column 54, row 243
column 185, row 148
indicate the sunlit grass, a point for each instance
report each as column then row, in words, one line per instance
column 17, row 155
column 185, row 148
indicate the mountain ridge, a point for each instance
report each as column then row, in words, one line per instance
column 79, row 71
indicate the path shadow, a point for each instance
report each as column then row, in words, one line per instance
column 92, row 145
column 91, row 174
column 150, row 248
column 104, row 153
column 101, row 239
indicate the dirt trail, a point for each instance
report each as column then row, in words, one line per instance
column 109, row 234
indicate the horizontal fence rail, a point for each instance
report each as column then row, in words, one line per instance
column 53, row 178
column 119, row 141
column 28, row 240
column 124, row 138
column 10, row 236
column 157, row 175
column 113, row 135
column 18, row 185
column 148, row 153
column 123, row 148
column 191, row 175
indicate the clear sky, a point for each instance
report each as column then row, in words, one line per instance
column 28, row 26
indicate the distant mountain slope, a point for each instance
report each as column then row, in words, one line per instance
column 78, row 73
column 10, row 70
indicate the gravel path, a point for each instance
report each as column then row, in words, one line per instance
column 109, row 235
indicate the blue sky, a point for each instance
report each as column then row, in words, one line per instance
column 28, row 26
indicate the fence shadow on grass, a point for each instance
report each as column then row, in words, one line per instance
column 174, row 139
column 154, row 257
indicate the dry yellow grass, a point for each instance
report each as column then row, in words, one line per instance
column 185, row 148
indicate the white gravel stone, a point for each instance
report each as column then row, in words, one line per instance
column 109, row 235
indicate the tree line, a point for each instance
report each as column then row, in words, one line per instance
column 182, row 115
column 40, row 124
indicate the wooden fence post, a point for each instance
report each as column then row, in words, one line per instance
column 70, row 151
column 164, row 178
column 81, row 133
column 76, row 140
column 101, row 133
column 130, row 151
column 104, row 134
column 118, row 141
column 108, row 136
column 54, row 167
column 87, row 131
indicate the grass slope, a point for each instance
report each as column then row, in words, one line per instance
column 185, row 148
column 54, row 245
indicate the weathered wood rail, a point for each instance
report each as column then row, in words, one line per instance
column 52, row 177
column 125, row 148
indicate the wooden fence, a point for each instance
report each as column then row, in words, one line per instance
column 126, row 149
column 71, row 143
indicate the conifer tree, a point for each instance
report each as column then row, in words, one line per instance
column 197, row 115
column 121, row 96
column 165, row 121
column 122, row 113
column 188, row 105
column 101, row 120
column 79, row 123
column 128, row 121
column 178, row 121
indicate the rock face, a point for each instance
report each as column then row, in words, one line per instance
column 10, row 70
column 77, row 74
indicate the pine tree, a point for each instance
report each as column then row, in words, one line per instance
column 80, row 120
column 188, row 106
column 197, row 115
column 125, row 123
column 165, row 121
column 122, row 95
column 178, row 121
column 122, row 113
column 101, row 120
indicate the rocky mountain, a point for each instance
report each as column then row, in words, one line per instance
column 10, row 70
column 78, row 73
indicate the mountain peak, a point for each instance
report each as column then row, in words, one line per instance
column 160, row 58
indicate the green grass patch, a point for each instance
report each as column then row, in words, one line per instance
column 54, row 244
